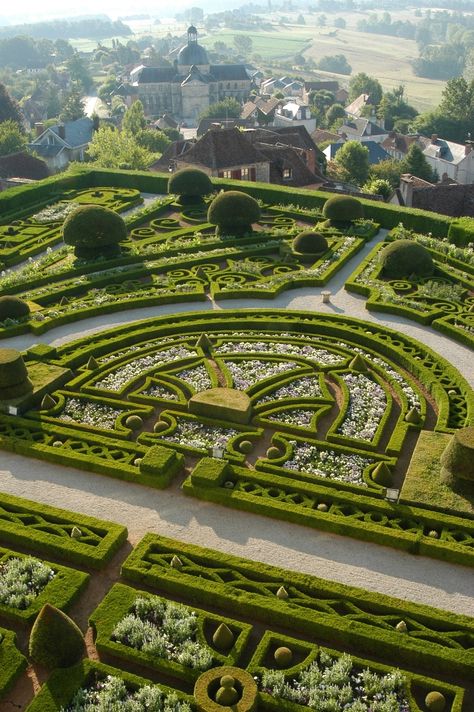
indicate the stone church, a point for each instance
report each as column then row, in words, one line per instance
column 187, row 88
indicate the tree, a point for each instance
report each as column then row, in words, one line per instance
column 389, row 170
column 340, row 23
column 353, row 157
column 416, row 164
column 134, row 119
column 153, row 140
column 73, row 108
column 228, row 108
column 458, row 100
column 336, row 111
column 378, row 186
column 12, row 139
column 363, row 84
column 243, row 44
column 336, row 63
column 111, row 149
column 9, row 109
column 79, row 72
column 394, row 108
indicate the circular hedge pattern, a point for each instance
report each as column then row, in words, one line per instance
column 403, row 258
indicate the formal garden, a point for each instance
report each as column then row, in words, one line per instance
column 313, row 417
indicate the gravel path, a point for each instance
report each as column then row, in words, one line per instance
column 168, row 512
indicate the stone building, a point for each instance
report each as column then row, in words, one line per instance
column 189, row 87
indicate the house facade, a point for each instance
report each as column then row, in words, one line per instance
column 58, row 145
column 189, row 87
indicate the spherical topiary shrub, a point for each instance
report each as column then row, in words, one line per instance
column 341, row 210
column 457, row 460
column 435, row 701
column 134, row 422
column 233, row 213
column 246, row 446
column 13, row 308
column 55, row 639
column 308, row 245
column 94, row 231
column 190, row 184
column 14, row 381
column 403, row 258
column 283, row 656
column 224, row 687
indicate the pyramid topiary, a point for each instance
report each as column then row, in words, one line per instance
column 359, row 363
column 233, row 213
column 190, row 184
column 13, row 307
column 403, row 258
column 204, row 343
column 55, row 639
column 413, row 416
column 382, row 475
column 457, row 459
column 48, row 402
column 94, row 231
column 341, row 210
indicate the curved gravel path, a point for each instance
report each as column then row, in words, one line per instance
column 168, row 512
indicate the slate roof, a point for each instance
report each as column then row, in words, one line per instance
column 399, row 142
column 376, row 152
column 321, row 136
column 205, row 124
column 229, row 72
column 167, row 75
column 359, row 128
column 22, row 165
column 77, row 133
column 445, row 150
column 295, row 136
column 222, row 148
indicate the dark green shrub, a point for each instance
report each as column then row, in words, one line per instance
column 94, row 231
column 13, row 308
column 223, row 638
column 461, row 231
column 14, row 381
column 55, row 639
column 190, row 184
column 342, row 209
column 233, row 213
column 458, row 458
column 283, row 656
column 227, row 695
column 134, row 422
column 310, row 243
column 403, row 258
column 246, row 446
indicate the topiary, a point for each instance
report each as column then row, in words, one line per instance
column 461, row 231
column 403, row 258
column 283, row 656
column 14, row 381
column 382, row 475
column 190, row 184
column 310, row 243
column 223, row 638
column 435, row 701
column 246, row 446
column 227, row 695
column 94, row 231
column 341, row 210
column 55, row 639
column 13, row 308
column 273, row 452
column 233, row 212
column 457, row 460
column 134, row 422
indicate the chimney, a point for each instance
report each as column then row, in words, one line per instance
column 39, row 128
column 434, row 138
column 61, row 131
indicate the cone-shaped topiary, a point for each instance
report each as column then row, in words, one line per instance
column 413, row 416
column 283, row 656
column 190, row 184
column 14, row 381
column 94, row 231
column 204, row 343
column 359, row 363
column 282, row 593
column 55, row 639
column 382, row 475
column 233, row 213
column 310, row 244
column 13, row 307
column 76, row 533
column 401, row 627
column 403, row 258
column 457, row 459
column 48, row 402
column 92, row 364
column 435, row 701
column 176, row 562
column 341, row 210
column 223, row 638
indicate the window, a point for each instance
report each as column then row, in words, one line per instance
column 244, row 173
column 287, row 174
column 227, row 174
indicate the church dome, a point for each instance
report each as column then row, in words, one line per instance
column 192, row 53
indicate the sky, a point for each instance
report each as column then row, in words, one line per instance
column 34, row 10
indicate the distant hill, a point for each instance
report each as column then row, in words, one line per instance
column 98, row 27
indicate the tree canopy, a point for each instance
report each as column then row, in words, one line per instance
column 9, row 109
column 353, row 158
column 110, row 148
column 12, row 139
column 363, row 84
